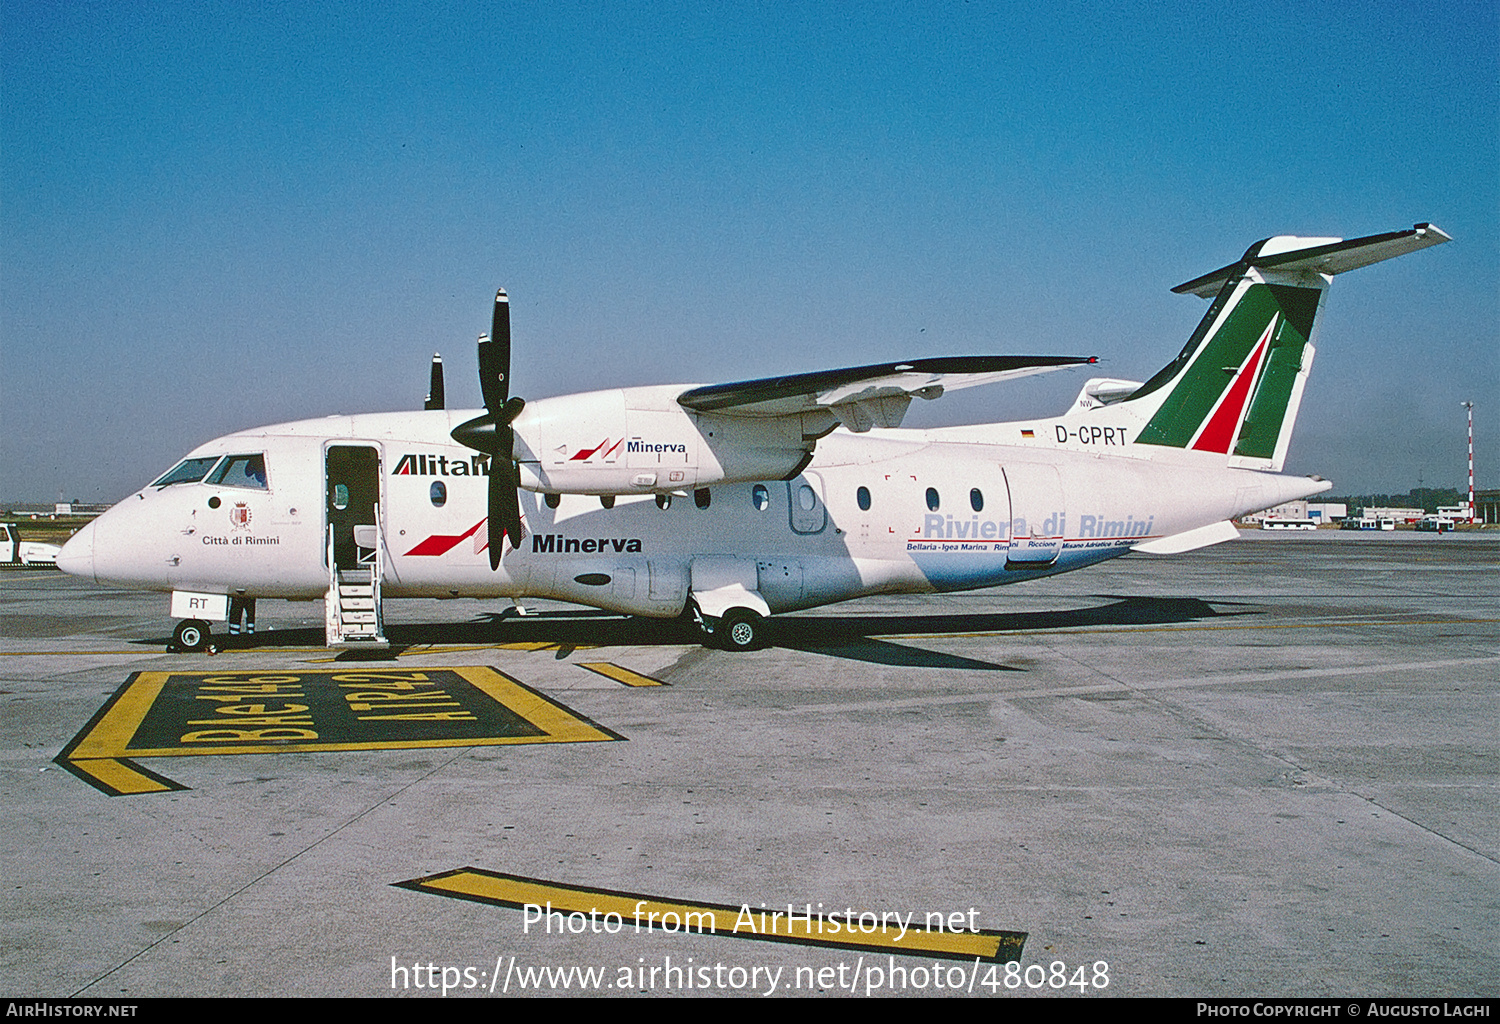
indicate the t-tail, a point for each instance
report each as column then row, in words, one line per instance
column 1235, row 388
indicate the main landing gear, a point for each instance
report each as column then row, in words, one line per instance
column 738, row 629
column 741, row 629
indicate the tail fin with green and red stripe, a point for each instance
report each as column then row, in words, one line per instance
column 1235, row 388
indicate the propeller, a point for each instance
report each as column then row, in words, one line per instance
column 435, row 385
column 492, row 433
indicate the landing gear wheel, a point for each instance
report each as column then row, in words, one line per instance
column 740, row 629
column 190, row 635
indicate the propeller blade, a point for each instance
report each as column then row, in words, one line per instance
column 500, row 323
column 494, row 356
column 504, row 504
column 491, row 375
column 435, row 396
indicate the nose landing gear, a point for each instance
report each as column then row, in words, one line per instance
column 191, row 635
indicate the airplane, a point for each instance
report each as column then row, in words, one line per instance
column 729, row 503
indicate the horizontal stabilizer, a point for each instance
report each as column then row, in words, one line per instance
column 831, row 389
column 1329, row 256
column 1191, row 540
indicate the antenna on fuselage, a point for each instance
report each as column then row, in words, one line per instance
column 435, row 386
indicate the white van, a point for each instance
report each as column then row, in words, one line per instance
column 15, row 551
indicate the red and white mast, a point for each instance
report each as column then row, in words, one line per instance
column 1470, row 407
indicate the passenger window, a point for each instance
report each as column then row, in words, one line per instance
column 976, row 500
column 932, row 499
column 863, row 497
column 241, row 471
column 807, row 498
column 189, row 471
column 438, row 493
column 340, row 496
column 760, row 497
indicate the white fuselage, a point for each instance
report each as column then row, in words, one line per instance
column 888, row 511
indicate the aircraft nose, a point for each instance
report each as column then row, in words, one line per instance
column 77, row 555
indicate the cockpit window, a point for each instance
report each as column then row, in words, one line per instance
column 241, row 471
column 188, row 471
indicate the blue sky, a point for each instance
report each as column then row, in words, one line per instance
column 215, row 218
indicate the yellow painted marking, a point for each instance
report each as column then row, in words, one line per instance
column 620, row 675
column 447, row 649
column 642, row 913
column 118, row 778
column 561, row 725
column 111, row 734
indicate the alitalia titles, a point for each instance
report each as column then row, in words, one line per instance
column 442, row 465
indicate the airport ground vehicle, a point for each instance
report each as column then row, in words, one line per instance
column 15, row 551
column 1288, row 524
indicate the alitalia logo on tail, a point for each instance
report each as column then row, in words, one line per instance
column 1218, row 431
column 1235, row 389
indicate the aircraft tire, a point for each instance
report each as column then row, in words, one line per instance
column 741, row 629
column 191, row 635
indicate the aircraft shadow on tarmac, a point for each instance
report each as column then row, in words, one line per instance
column 854, row 637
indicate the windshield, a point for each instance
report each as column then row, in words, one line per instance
column 189, row 471
column 241, row 471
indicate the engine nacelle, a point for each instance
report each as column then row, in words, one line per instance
column 639, row 440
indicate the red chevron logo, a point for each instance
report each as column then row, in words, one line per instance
column 584, row 454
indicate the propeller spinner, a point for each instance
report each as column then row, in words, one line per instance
column 492, row 433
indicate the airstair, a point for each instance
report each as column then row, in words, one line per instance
column 352, row 615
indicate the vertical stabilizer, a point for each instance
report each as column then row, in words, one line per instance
column 1235, row 388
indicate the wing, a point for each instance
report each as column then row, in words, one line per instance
column 864, row 396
